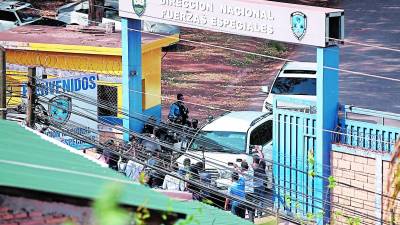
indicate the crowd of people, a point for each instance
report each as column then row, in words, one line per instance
column 248, row 185
column 247, row 190
column 247, row 180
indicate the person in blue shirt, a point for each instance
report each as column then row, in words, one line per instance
column 236, row 190
column 179, row 112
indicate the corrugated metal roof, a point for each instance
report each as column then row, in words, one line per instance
column 30, row 162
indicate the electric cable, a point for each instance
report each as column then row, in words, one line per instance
column 362, row 189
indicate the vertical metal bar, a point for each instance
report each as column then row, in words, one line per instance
column 301, row 164
column 293, row 164
column 31, row 95
column 282, row 153
column 3, row 96
column 275, row 153
column 288, row 153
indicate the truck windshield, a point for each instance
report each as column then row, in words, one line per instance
column 220, row 141
column 294, row 86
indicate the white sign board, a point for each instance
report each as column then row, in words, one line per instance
column 256, row 18
column 85, row 85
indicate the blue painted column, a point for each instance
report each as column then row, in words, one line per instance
column 132, row 73
column 327, row 115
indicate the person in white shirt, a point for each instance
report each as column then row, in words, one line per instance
column 246, row 175
column 133, row 169
column 172, row 183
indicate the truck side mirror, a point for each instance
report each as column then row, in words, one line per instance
column 265, row 89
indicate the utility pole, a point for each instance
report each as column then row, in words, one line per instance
column 3, row 105
column 96, row 12
column 30, row 109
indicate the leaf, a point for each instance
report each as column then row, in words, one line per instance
column 288, row 200
column 332, row 182
column 310, row 216
column 338, row 213
column 311, row 173
column 208, row 201
column 310, row 157
column 353, row 221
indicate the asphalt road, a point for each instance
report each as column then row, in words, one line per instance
column 374, row 22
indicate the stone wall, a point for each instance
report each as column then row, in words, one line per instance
column 361, row 179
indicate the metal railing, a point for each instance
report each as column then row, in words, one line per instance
column 367, row 129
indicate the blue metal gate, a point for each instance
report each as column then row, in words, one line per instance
column 293, row 151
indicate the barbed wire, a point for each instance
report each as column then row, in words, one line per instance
column 180, row 131
column 306, row 197
column 327, row 166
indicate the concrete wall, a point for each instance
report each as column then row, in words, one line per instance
column 361, row 181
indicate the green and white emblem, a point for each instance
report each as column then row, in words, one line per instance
column 139, row 6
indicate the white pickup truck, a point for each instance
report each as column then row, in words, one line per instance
column 295, row 80
column 227, row 140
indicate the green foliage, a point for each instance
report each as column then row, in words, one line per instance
column 310, row 216
column 338, row 213
column 311, row 162
column 311, row 173
column 106, row 210
column 141, row 215
column 288, row 200
column 332, row 182
column 207, row 201
column 310, row 158
column 353, row 221
column 268, row 48
column 392, row 218
column 273, row 48
column 241, row 61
